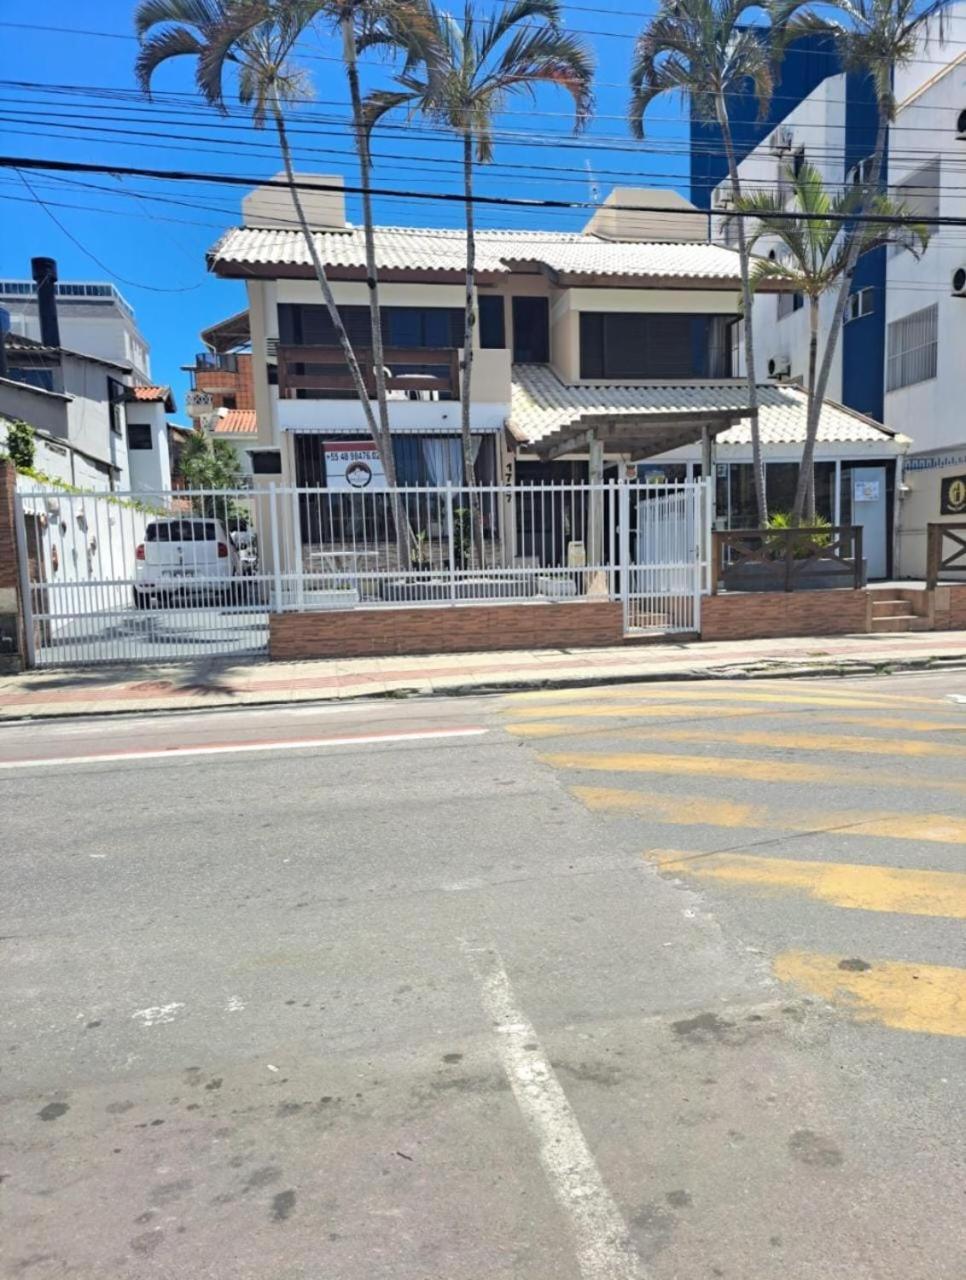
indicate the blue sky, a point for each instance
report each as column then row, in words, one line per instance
column 150, row 237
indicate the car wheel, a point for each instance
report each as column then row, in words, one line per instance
column 141, row 599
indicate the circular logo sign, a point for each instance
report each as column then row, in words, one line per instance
column 358, row 475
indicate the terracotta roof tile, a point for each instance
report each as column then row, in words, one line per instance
column 237, row 422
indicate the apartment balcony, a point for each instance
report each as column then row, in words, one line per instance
column 423, row 386
column 412, row 373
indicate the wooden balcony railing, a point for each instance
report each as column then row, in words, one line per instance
column 945, row 551
column 432, row 370
column 786, row 559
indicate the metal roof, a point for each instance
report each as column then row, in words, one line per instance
column 542, row 405
column 441, row 250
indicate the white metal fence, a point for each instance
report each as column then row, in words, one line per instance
column 115, row 577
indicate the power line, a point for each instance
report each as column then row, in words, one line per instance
column 516, row 202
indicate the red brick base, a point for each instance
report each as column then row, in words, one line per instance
column 753, row 615
column 949, row 609
column 358, row 633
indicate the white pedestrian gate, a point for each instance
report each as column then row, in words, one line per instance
column 665, row 552
column 136, row 577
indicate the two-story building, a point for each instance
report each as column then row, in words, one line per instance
column 595, row 349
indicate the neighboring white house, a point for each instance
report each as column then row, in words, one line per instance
column 76, row 400
column 915, row 370
column 94, row 317
column 148, row 437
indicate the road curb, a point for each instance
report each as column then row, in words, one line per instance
column 769, row 669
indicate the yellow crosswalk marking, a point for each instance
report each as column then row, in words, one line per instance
column 694, row 810
column 908, row 997
column 843, row 884
column 550, row 728
column 716, row 692
column 816, row 742
column 745, row 770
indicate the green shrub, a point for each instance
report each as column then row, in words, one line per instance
column 20, row 445
column 811, row 537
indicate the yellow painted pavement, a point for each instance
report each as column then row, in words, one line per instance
column 843, row 884
column 828, row 743
column 740, row 768
column 908, row 997
column 697, row 810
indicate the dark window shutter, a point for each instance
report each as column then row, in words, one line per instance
column 492, row 321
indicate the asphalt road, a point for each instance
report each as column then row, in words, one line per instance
column 639, row 982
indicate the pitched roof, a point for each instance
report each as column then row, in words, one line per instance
column 237, row 422
column 433, row 249
column 541, row 404
column 18, row 342
column 152, row 395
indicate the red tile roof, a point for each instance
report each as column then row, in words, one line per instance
column 153, row 394
column 237, row 422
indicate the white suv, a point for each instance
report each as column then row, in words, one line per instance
column 186, row 556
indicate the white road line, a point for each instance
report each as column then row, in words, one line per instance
column 603, row 1246
column 234, row 748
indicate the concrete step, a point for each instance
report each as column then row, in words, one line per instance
column 891, row 609
column 907, row 622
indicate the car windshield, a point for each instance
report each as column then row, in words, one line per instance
column 181, row 531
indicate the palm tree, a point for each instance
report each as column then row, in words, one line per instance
column 875, row 36
column 460, row 73
column 702, row 49
column 257, row 38
column 816, row 256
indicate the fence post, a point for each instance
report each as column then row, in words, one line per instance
column 297, row 566
column 451, row 542
column 934, row 544
column 789, row 556
column 714, row 558
column 624, row 518
column 23, row 577
column 695, row 497
column 276, row 546
column 857, row 552
column 612, row 536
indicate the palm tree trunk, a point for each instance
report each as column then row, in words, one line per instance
column 383, row 442
column 805, row 488
column 469, row 325
column 372, row 275
column 404, row 534
column 831, row 342
column 747, row 304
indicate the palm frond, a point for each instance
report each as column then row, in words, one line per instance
column 200, row 14
column 172, row 43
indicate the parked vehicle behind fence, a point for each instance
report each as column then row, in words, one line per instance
column 188, row 557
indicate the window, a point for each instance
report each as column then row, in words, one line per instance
column 920, row 191
column 798, row 161
column 912, row 348
column 42, row 378
column 116, row 392
column 311, row 326
column 492, row 322
column 861, row 303
column 266, row 462
column 139, row 436
column 620, row 345
column 531, row 330
column 860, row 174
column 229, row 402
column 789, row 302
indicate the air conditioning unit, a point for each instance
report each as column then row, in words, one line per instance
column 724, row 204
column 779, row 366
column 959, row 282
column 961, row 126
column 782, row 140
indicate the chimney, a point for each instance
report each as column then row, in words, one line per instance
column 44, row 272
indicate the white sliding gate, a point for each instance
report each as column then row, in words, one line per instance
column 283, row 549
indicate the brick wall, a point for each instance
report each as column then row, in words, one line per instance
column 757, row 615
column 356, row 633
column 240, row 384
column 10, row 625
column 949, row 608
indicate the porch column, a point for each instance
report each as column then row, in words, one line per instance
column 595, row 505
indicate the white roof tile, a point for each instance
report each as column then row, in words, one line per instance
column 542, row 404
column 438, row 249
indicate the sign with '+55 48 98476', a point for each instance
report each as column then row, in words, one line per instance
column 353, row 466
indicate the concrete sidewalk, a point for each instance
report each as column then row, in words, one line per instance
column 193, row 686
